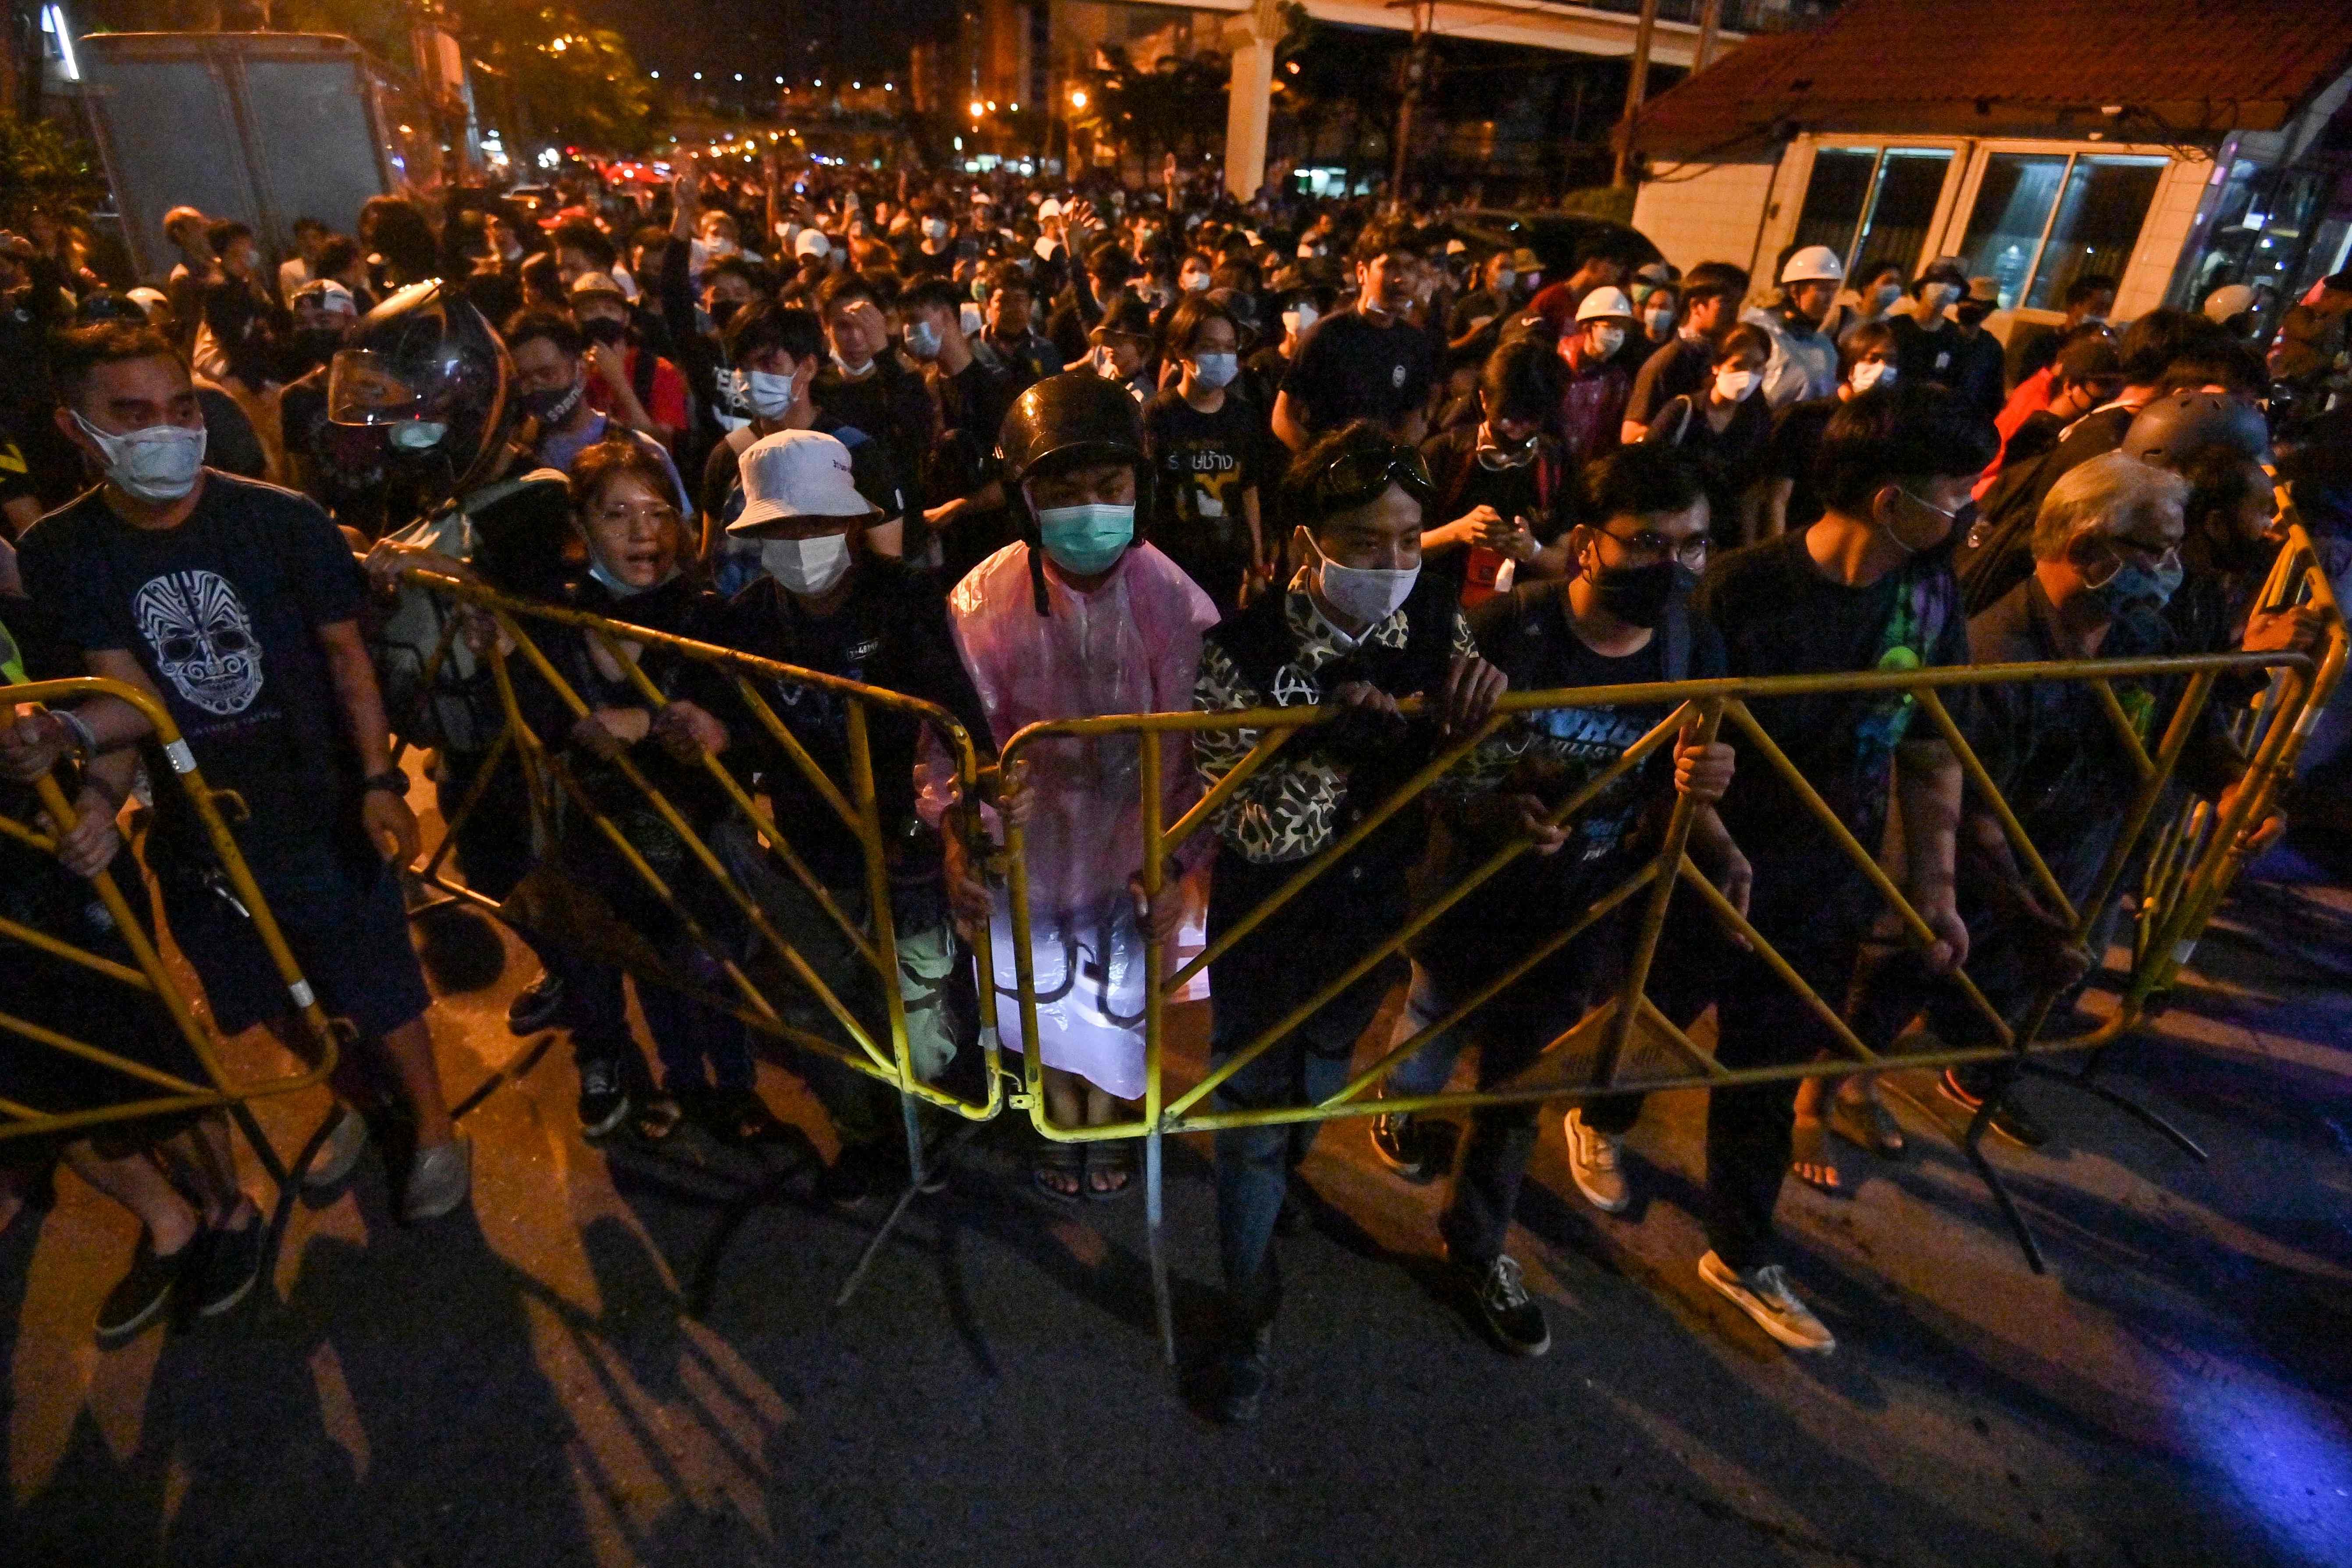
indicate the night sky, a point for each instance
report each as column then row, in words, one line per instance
column 768, row 38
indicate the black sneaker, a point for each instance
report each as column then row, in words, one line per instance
column 603, row 1096
column 1402, row 1145
column 229, row 1264
column 535, row 1006
column 141, row 1296
column 1510, row 1314
column 2011, row 1120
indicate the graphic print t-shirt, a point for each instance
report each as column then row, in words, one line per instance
column 221, row 612
column 1534, row 645
column 1205, row 463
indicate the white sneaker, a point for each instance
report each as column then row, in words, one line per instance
column 1592, row 1162
column 344, row 1143
column 438, row 1182
column 1764, row 1295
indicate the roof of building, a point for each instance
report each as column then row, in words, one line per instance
column 2178, row 70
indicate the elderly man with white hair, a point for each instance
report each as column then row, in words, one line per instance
column 2107, row 558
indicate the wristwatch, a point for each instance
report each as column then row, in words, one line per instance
column 392, row 781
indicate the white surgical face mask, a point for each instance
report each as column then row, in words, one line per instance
column 770, row 394
column 1872, row 373
column 1660, row 322
column 157, row 464
column 1606, row 340
column 1298, row 318
column 1367, row 593
column 1735, row 385
column 806, row 566
column 1195, row 282
column 922, row 339
column 1215, row 370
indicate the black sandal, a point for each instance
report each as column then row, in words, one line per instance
column 1063, row 1160
column 658, row 1116
column 1112, row 1158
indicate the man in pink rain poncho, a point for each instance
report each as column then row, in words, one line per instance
column 1078, row 620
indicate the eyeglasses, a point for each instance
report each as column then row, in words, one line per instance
column 1360, row 474
column 653, row 516
column 1652, row 545
column 2132, row 551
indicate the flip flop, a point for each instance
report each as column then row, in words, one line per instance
column 1113, row 1159
column 1809, row 1153
column 1868, row 1124
column 1053, row 1160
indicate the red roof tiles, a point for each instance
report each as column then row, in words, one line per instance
column 2186, row 70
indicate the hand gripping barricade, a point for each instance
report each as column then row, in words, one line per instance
column 2196, row 856
column 765, row 979
column 1708, row 706
column 167, row 1093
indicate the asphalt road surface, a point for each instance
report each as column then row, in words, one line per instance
column 625, row 1354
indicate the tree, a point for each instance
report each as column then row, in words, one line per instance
column 568, row 80
column 43, row 169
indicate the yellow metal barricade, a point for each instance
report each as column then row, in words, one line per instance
column 1711, row 705
column 2196, row 858
column 881, row 1054
column 149, row 973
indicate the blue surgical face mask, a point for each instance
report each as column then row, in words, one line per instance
column 1215, row 370
column 2134, row 583
column 1087, row 539
column 922, row 339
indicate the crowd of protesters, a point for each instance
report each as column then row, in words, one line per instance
column 1028, row 452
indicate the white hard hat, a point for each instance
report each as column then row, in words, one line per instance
column 2230, row 299
column 812, row 242
column 1049, row 207
column 1605, row 301
column 1814, row 264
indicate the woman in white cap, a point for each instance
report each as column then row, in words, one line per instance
column 1804, row 363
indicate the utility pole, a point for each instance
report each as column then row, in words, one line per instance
column 1416, row 75
column 1636, row 86
column 1710, row 21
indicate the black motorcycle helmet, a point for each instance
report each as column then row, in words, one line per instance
column 1064, row 422
column 2173, row 429
column 427, row 378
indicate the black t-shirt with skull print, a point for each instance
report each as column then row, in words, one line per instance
column 221, row 613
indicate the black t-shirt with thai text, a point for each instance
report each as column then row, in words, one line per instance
column 1203, row 464
column 222, row 613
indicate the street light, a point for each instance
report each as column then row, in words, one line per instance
column 976, row 110
column 1077, row 98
